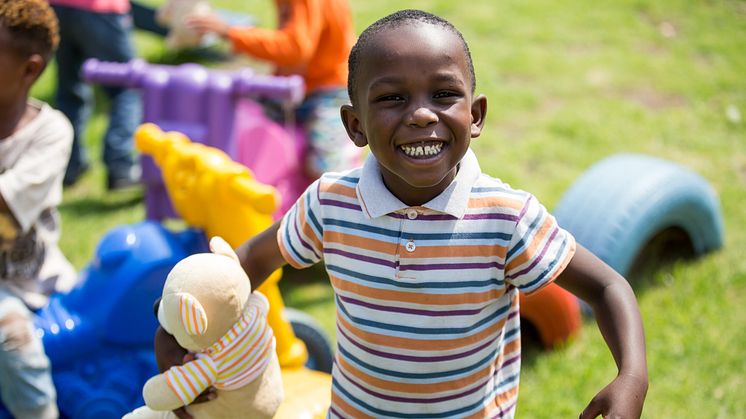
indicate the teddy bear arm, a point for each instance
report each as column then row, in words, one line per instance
column 159, row 396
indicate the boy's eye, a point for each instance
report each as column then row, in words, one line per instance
column 445, row 94
column 389, row 98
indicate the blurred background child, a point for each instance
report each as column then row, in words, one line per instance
column 313, row 40
column 97, row 29
column 35, row 142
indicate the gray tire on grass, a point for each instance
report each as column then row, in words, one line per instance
column 320, row 353
column 623, row 203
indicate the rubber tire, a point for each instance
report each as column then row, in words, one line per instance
column 622, row 202
column 320, row 352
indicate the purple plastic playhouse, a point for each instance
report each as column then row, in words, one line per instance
column 215, row 108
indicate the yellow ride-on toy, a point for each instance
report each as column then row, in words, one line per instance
column 222, row 197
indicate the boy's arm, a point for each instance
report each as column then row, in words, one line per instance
column 618, row 317
column 4, row 206
column 260, row 255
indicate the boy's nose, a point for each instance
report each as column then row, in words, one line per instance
column 422, row 117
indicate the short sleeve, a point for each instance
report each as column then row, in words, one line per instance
column 301, row 232
column 539, row 249
column 189, row 380
column 34, row 182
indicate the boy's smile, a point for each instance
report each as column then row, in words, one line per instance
column 414, row 107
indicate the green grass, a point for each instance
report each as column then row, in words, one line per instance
column 569, row 83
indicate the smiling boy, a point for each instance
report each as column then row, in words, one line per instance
column 426, row 254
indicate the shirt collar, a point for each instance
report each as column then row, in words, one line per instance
column 376, row 200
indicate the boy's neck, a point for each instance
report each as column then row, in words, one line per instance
column 419, row 197
column 14, row 117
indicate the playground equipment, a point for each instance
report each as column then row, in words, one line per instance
column 203, row 104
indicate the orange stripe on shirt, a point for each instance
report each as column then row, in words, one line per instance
column 416, row 388
column 496, row 202
column 337, row 188
column 434, row 252
column 355, row 241
column 340, row 404
column 531, row 250
column 432, row 345
column 501, row 399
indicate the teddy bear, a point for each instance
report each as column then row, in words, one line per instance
column 174, row 14
column 208, row 306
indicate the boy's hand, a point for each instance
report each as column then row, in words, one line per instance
column 208, row 24
column 621, row 399
column 168, row 353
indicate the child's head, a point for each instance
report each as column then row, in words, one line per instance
column 397, row 20
column 28, row 37
column 411, row 84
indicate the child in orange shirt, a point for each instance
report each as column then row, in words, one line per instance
column 313, row 40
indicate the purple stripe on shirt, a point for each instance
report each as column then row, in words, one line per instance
column 447, row 217
column 369, row 259
column 340, row 204
column 539, row 257
column 391, row 309
column 509, row 361
column 504, row 412
column 451, row 266
column 427, row 217
column 491, row 216
column 524, row 209
column 302, row 241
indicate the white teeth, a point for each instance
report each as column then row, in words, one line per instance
column 422, row 150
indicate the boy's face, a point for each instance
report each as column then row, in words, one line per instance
column 17, row 73
column 415, row 109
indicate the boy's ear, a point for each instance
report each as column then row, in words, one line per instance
column 478, row 113
column 353, row 126
column 34, row 66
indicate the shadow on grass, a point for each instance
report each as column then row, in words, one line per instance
column 655, row 262
column 96, row 205
column 306, row 289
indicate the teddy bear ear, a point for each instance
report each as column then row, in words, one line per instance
column 221, row 247
column 193, row 315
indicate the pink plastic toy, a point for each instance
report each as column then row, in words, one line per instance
column 214, row 107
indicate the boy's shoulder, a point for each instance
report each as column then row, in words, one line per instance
column 49, row 120
column 337, row 181
column 490, row 191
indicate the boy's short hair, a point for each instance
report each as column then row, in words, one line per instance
column 32, row 26
column 393, row 21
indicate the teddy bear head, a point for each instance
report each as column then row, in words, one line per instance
column 204, row 296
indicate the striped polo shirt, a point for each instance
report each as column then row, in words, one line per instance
column 426, row 296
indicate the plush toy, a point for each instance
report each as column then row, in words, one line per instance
column 208, row 306
column 174, row 14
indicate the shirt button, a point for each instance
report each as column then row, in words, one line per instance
column 410, row 246
column 411, row 214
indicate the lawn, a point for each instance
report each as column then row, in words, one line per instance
column 569, row 83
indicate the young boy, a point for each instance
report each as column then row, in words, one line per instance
column 427, row 254
column 35, row 142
